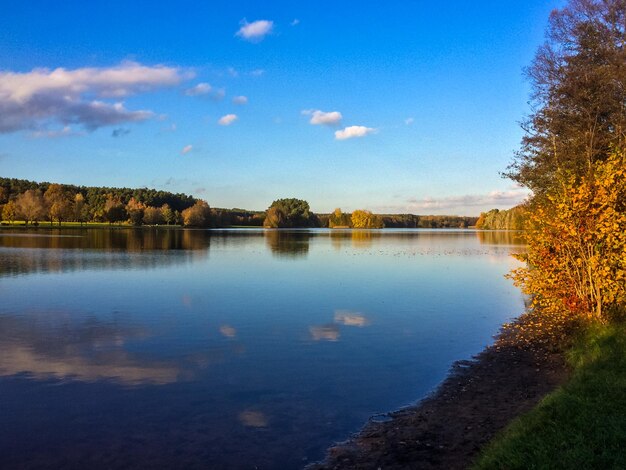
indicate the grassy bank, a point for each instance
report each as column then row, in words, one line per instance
column 20, row 224
column 580, row 425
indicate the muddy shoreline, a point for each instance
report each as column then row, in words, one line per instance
column 447, row 429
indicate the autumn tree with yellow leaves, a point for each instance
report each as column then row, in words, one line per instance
column 365, row 219
column 576, row 259
column 572, row 158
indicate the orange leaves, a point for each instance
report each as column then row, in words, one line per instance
column 576, row 260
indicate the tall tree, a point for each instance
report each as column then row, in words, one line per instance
column 365, row 219
column 135, row 210
column 339, row 219
column 30, row 206
column 80, row 209
column 58, row 203
column 579, row 95
column 572, row 158
column 290, row 212
column 168, row 214
column 4, row 195
column 198, row 215
column 9, row 211
column 153, row 216
column 114, row 210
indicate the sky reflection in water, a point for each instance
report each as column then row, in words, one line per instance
column 230, row 349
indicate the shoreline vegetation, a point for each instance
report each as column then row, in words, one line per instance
column 28, row 203
column 549, row 392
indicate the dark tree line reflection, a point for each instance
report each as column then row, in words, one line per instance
column 58, row 250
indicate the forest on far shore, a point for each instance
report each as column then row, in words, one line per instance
column 31, row 203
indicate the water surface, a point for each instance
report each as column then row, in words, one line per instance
column 163, row 348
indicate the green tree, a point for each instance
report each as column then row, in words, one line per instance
column 290, row 213
column 4, row 195
column 168, row 214
column 339, row 219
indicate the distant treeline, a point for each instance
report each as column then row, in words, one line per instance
column 427, row 221
column 32, row 203
column 511, row 219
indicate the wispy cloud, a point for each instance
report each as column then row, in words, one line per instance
column 240, row 100
column 171, row 128
column 66, row 131
column 199, row 90
column 351, row 132
column 255, row 31
column 32, row 100
column 257, row 72
column 295, row 22
column 318, row 117
column 491, row 199
column 227, row 120
column 409, row 121
column 204, row 90
column 186, row 149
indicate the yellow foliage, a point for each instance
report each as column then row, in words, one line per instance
column 576, row 259
column 365, row 219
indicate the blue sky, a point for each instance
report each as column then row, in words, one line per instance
column 395, row 107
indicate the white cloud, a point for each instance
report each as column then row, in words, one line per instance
column 240, row 100
column 255, row 31
column 32, row 100
column 409, row 121
column 353, row 131
column 186, row 149
column 199, row 89
column 295, row 22
column 491, row 199
column 232, row 72
column 206, row 90
column 66, row 131
column 257, row 72
column 227, row 120
column 467, row 204
column 332, row 118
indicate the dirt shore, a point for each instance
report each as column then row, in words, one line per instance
column 447, row 429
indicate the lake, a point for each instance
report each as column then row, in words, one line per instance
column 159, row 348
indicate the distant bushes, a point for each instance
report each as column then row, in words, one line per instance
column 511, row 219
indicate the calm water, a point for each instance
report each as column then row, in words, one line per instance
column 230, row 349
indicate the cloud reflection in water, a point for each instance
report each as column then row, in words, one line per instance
column 54, row 346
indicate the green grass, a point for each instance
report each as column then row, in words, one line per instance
column 22, row 224
column 581, row 425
